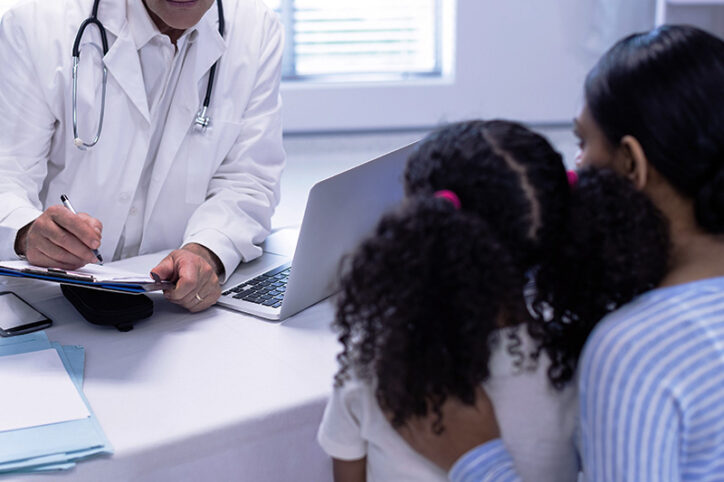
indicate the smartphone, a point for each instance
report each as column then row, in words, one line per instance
column 17, row 317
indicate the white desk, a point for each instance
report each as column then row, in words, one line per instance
column 211, row 396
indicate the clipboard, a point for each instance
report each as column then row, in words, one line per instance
column 90, row 276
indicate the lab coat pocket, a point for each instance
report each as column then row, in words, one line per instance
column 205, row 151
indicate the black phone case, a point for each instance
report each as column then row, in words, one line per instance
column 30, row 327
column 107, row 308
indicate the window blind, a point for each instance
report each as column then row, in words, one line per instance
column 369, row 39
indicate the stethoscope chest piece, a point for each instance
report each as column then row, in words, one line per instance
column 202, row 121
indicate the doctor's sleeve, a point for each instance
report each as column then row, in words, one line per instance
column 245, row 187
column 26, row 129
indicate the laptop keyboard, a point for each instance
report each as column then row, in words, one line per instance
column 267, row 289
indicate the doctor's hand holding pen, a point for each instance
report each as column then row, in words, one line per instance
column 195, row 270
column 60, row 238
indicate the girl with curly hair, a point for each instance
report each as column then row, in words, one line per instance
column 651, row 375
column 432, row 304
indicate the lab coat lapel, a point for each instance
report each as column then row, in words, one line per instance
column 206, row 50
column 125, row 67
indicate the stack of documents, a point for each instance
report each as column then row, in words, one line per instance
column 45, row 420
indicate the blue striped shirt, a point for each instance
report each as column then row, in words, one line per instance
column 651, row 393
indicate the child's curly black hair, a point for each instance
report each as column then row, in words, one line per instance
column 613, row 246
column 423, row 297
column 412, row 315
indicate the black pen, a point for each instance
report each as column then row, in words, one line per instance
column 66, row 203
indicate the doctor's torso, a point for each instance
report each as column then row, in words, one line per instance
column 103, row 180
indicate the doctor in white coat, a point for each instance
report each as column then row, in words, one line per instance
column 154, row 181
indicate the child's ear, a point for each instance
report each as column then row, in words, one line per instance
column 633, row 161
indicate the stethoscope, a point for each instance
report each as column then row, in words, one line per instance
column 201, row 121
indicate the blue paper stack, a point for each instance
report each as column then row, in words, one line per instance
column 56, row 446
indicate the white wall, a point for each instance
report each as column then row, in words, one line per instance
column 521, row 59
column 710, row 17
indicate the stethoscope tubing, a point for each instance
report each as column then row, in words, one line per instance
column 201, row 121
column 90, row 21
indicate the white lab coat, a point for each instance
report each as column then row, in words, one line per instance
column 218, row 188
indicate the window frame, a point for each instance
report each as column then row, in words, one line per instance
column 351, row 105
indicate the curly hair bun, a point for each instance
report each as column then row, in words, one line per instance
column 615, row 247
column 418, row 304
column 709, row 204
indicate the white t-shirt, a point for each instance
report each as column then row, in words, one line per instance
column 537, row 424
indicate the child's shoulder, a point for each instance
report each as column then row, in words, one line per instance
column 343, row 431
column 537, row 421
column 356, row 397
column 353, row 387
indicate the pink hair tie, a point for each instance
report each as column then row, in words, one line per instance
column 450, row 196
column 572, row 178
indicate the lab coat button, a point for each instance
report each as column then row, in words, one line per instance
column 124, row 197
column 134, row 211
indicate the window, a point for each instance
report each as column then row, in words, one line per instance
column 360, row 40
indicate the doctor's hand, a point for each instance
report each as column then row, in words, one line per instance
column 60, row 239
column 465, row 427
column 196, row 271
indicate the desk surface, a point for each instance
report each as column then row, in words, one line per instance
column 217, row 395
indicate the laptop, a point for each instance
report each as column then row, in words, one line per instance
column 341, row 211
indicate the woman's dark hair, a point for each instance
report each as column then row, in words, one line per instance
column 666, row 89
column 424, row 296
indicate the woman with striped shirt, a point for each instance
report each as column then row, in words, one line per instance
column 651, row 375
